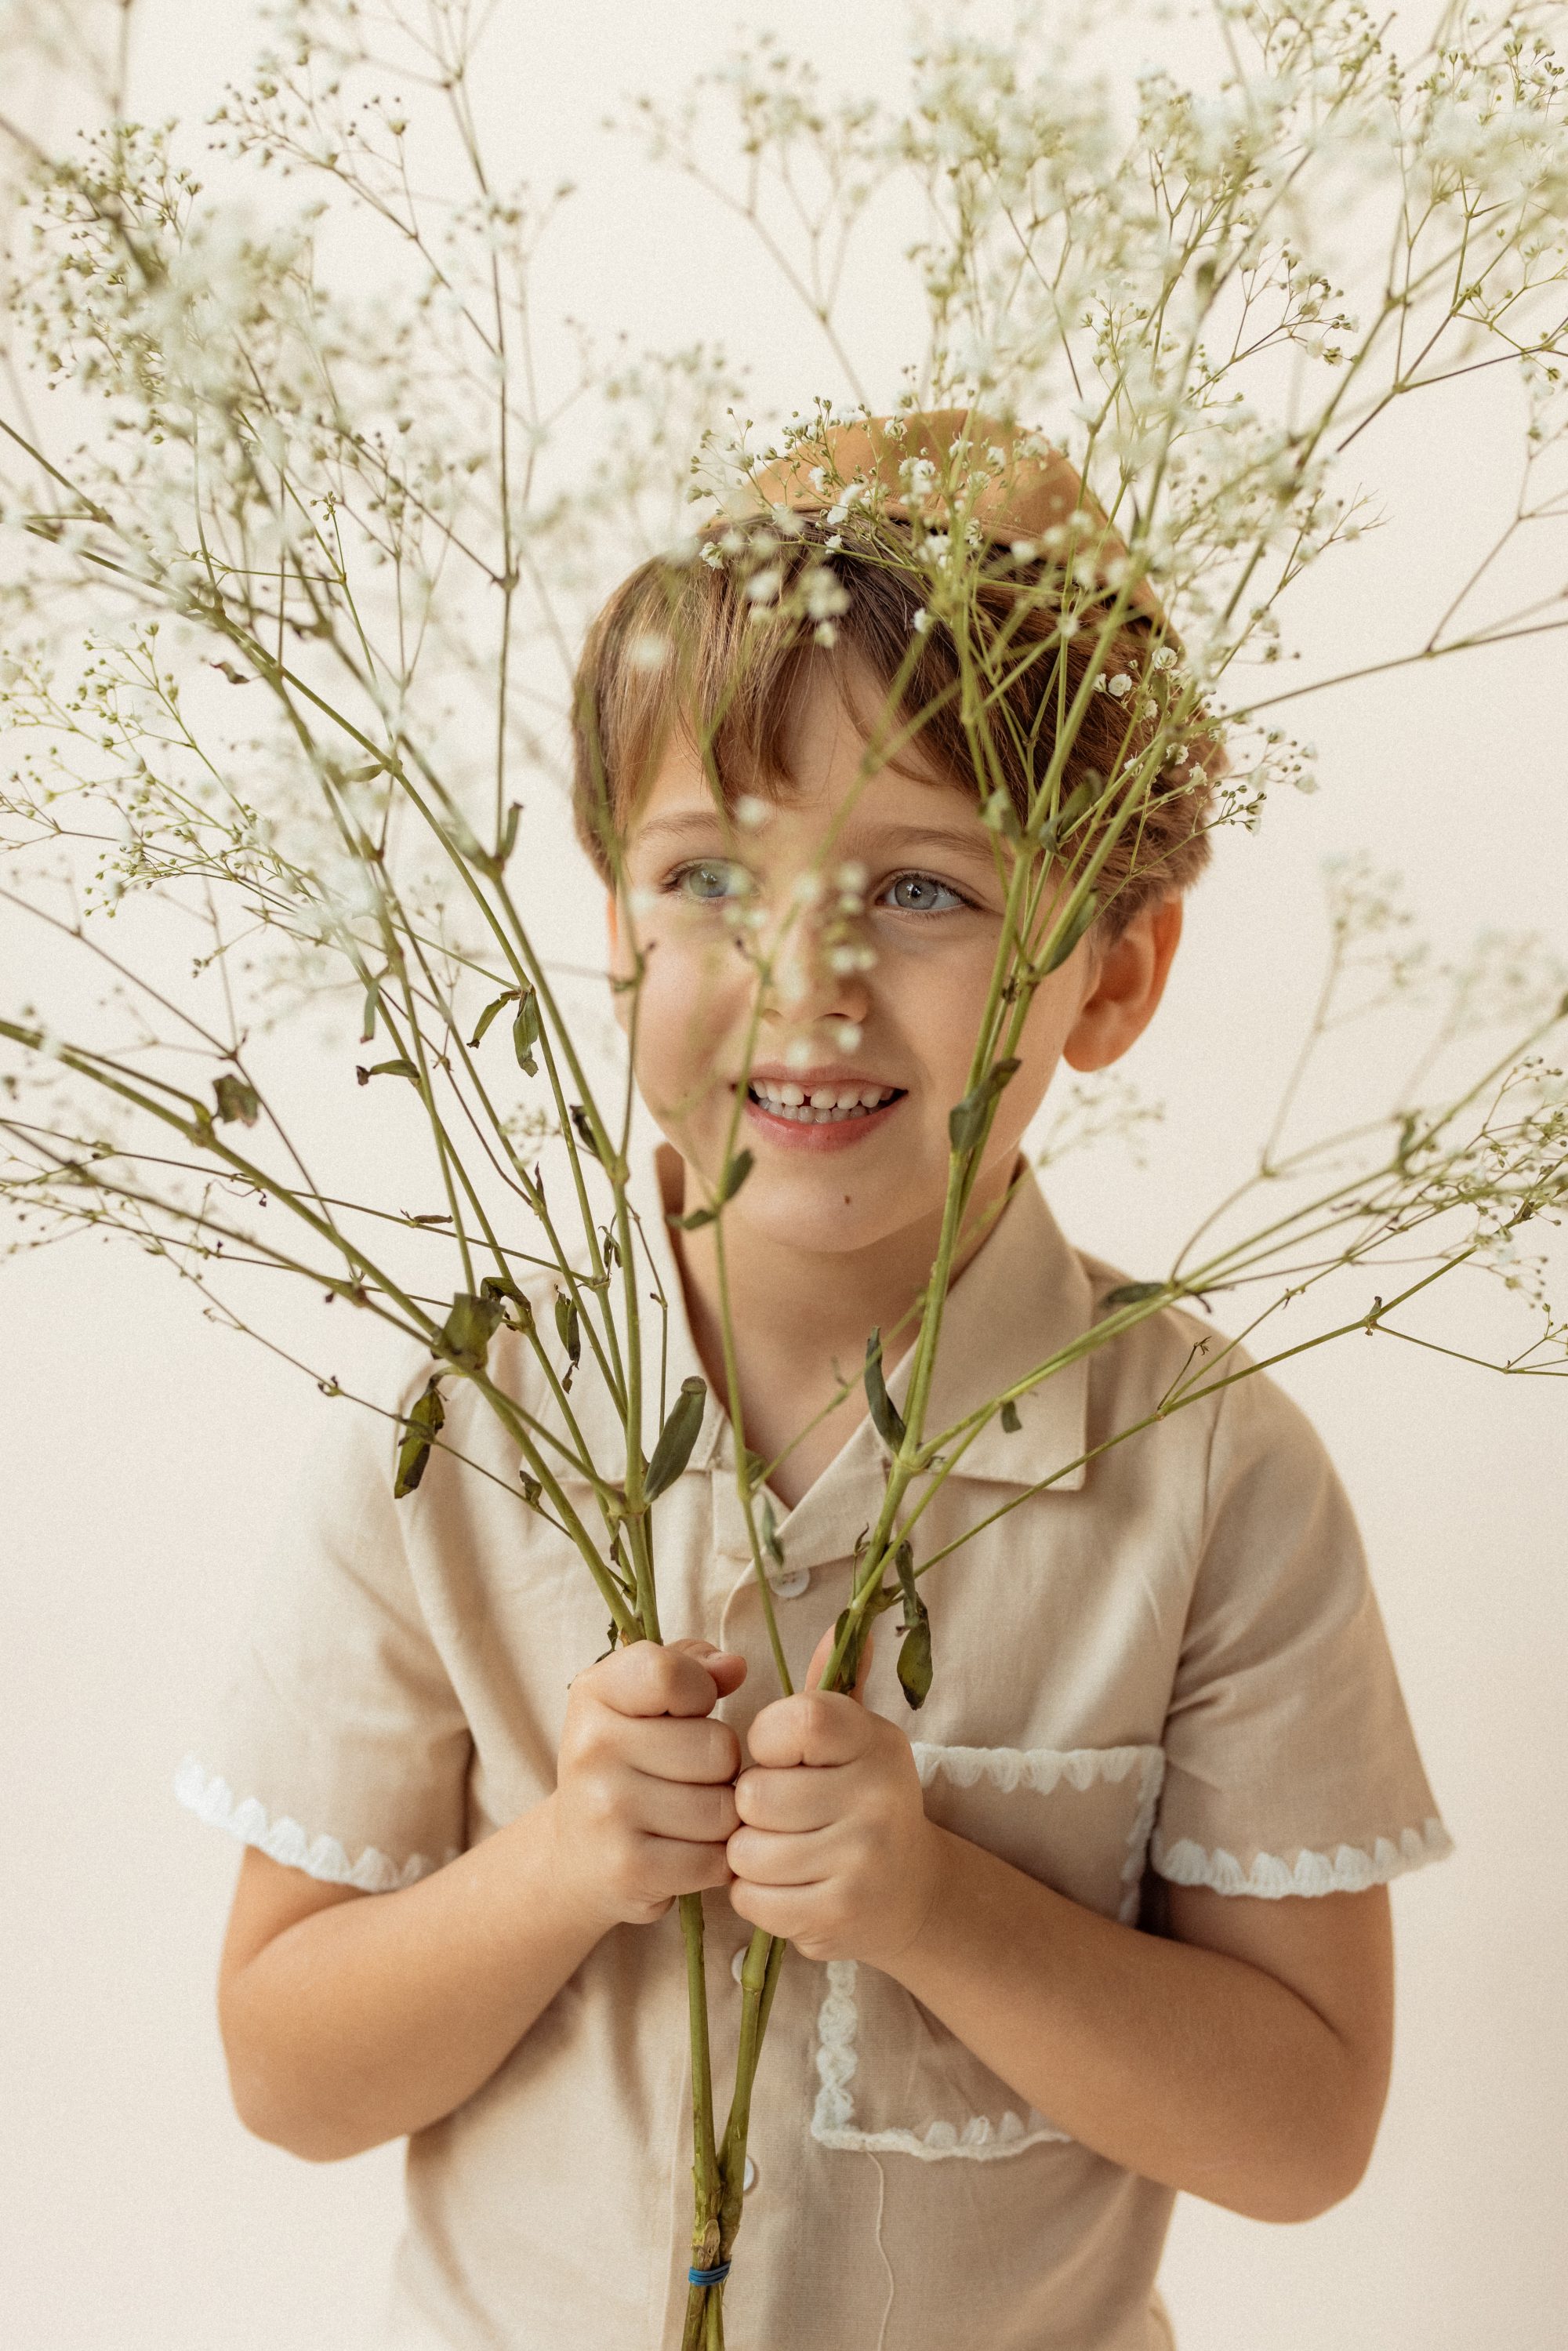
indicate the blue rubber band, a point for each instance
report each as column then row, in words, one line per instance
column 709, row 2277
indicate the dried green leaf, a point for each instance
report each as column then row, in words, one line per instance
column 1133, row 1293
column 914, row 1649
column 1010, row 1420
column 1072, row 934
column 237, row 1099
column 469, row 1328
column 585, row 1130
column 421, row 1429
column 879, row 1602
column 884, row 1412
column 914, row 1661
column 570, row 1330
column 497, row 1004
column 398, row 1069
column 968, row 1120
column 525, row 1033
column 502, row 1287
column 771, row 1541
column 730, row 1182
column 676, row 1438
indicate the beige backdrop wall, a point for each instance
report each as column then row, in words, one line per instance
column 144, row 1450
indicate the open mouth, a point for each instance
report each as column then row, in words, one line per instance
column 825, row 1105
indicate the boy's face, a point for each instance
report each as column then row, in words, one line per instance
column 865, row 1035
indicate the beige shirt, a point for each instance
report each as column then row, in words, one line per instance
column 1170, row 1659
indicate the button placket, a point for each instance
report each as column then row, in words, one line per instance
column 732, row 1546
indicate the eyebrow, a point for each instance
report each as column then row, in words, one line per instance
column 708, row 820
column 898, row 837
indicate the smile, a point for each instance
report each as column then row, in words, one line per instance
column 826, row 1110
column 823, row 1105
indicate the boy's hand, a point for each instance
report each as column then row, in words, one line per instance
column 834, row 1850
column 643, row 1800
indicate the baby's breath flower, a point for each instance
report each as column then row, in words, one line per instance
column 750, row 813
column 825, row 594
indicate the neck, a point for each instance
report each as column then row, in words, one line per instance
column 800, row 1319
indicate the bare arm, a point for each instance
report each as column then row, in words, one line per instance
column 1245, row 2061
column 351, row 2017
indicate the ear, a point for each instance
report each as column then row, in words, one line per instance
column 1129, row 981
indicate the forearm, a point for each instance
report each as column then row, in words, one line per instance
column 1185, row 2065
column 376, row 2016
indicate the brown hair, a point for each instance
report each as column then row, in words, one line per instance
column 677, row 650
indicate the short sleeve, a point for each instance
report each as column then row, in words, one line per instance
column 1292, row 1767
column 339, row 1746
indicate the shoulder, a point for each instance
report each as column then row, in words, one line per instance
column 1180, row 1368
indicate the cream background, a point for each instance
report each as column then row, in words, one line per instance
column 140, row 1451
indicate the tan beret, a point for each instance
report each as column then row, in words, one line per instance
column 1013, row 485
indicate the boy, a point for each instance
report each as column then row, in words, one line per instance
column 998, row 2047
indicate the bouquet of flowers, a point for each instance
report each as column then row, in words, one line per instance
column 298, row 591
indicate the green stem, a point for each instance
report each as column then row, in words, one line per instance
column 704, row 2156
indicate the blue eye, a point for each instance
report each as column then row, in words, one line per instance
column 923, row 893
column 710, row 881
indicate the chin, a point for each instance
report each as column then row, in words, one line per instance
column 808, row 1214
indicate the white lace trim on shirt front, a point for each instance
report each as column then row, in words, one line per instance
column 1039, row 1770
column 832, row 2121
column 211, row 1799
column 1347, row 1870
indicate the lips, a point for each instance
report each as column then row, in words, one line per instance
column 823, row 1102
column 822, row 1110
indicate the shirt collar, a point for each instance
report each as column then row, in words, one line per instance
column 1023, row 1295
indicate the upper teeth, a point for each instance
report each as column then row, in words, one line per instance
column 786, row 1099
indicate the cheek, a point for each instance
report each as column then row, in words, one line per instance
column 936, row 996
column 694, row 998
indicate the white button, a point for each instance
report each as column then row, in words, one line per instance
column 748, row 2178
column 737, row 1964
column 790, row 1585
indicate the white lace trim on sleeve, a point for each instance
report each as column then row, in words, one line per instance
column 211, row 1799
column 1347, row 1870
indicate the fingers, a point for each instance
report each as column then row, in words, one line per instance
column 705, row 1752
column 810, row 1916
column 652, row 1872
column 762, row 1857
column 724, row 1668
column 791, row 1802
column 670, row 1807
column 682, row 1677
column 818, row 1727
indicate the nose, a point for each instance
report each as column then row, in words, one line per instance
column 819, row 981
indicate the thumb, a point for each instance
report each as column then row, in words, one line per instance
column 824, row 1650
